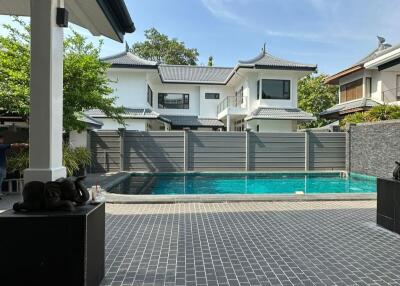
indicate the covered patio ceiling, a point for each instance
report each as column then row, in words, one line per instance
column 109, row 18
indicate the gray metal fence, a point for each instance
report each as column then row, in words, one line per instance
column 216, row 151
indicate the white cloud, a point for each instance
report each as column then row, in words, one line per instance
column 339, row 21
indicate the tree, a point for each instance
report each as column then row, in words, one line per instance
column 160, row 48
column 314, row 96
column 210, row 61
column 86, row 85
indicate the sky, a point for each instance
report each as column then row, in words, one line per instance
column 330, row 33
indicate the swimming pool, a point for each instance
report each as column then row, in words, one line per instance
column 245, row 183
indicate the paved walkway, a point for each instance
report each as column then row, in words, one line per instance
column 253, row 243
column 249, row 243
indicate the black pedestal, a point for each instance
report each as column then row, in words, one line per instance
column 388, row 204
column 57, row 248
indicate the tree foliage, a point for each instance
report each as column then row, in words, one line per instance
column 86, row 85
column 160, row 48
column 376, row 113
column 314, row 96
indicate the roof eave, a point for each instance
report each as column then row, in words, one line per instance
column 130, row 66
column 278, row 118
column 117, row 14
column 334, row 79
column 277, row 67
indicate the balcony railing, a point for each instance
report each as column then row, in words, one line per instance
column 391, row 95
column 230, row 101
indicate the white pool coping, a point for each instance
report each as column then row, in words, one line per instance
column 207, row 198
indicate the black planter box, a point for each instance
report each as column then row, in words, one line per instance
column 388, row 204
column 53, row 248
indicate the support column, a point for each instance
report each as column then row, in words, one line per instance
column 186, row 149
column 228, row 123
column 248, row 149
column 46, row 97
column 121, row 132
column 307, row 150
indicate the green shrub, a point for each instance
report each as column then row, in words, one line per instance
column 73, row 159
column 354, row 118
column 376, row 113
column 383, row 112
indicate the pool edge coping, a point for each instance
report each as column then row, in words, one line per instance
column 154, row 199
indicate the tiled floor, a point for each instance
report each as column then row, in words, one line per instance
column 253, row 243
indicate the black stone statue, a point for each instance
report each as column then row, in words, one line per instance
column 396, row 172
column 63, row 194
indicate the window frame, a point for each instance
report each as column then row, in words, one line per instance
column 215, row 94
column 284, row 81
column 185, row 100
column 150, row 95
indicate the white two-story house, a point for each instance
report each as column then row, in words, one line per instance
column 260, row 94
column 373, row 80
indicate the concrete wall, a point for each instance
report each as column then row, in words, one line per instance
column 217, row 151
column 78, row 139
column 374, row 147
column 208, row 107
column 273, row 125
column 130, row 87
column 194, row 98
column 131, row 124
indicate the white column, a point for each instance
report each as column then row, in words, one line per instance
column 46, row 98
column 228, row 123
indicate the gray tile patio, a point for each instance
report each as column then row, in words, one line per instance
column 252, row 243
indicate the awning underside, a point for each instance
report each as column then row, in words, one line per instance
column 109, row 18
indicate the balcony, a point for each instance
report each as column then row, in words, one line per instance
column 235, row 101
column 391, row 95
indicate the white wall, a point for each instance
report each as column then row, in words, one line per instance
column 194, row 98
column 130, row 87
column 208, row 107
column 77, row 139
column 380, row 81
column 293, row 77
column 131, row 124
column 273, row 125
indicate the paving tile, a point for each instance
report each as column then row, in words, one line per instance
column 250, row 243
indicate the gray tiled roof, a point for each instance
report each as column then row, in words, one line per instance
column 341, row 107
column 194, row 74
column 193, row 121
column 280, row 113
column 127, row 59
column 380, row 51
column 90, row 121
column 146, row 113
column 203, row 74
column 265, row 60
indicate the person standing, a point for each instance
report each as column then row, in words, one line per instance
column 3, row 160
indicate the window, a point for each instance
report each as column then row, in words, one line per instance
column 173, row 101
column 212, row 95
column 149, row 95
column 258, row 89
column 239, row 96
column 351, row 91
column 275, row 89
column 368, row 86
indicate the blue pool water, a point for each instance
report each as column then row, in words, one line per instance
column 245, row 183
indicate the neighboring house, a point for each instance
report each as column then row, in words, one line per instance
column 371, row 81
column 10, row 124
column 260, row 94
